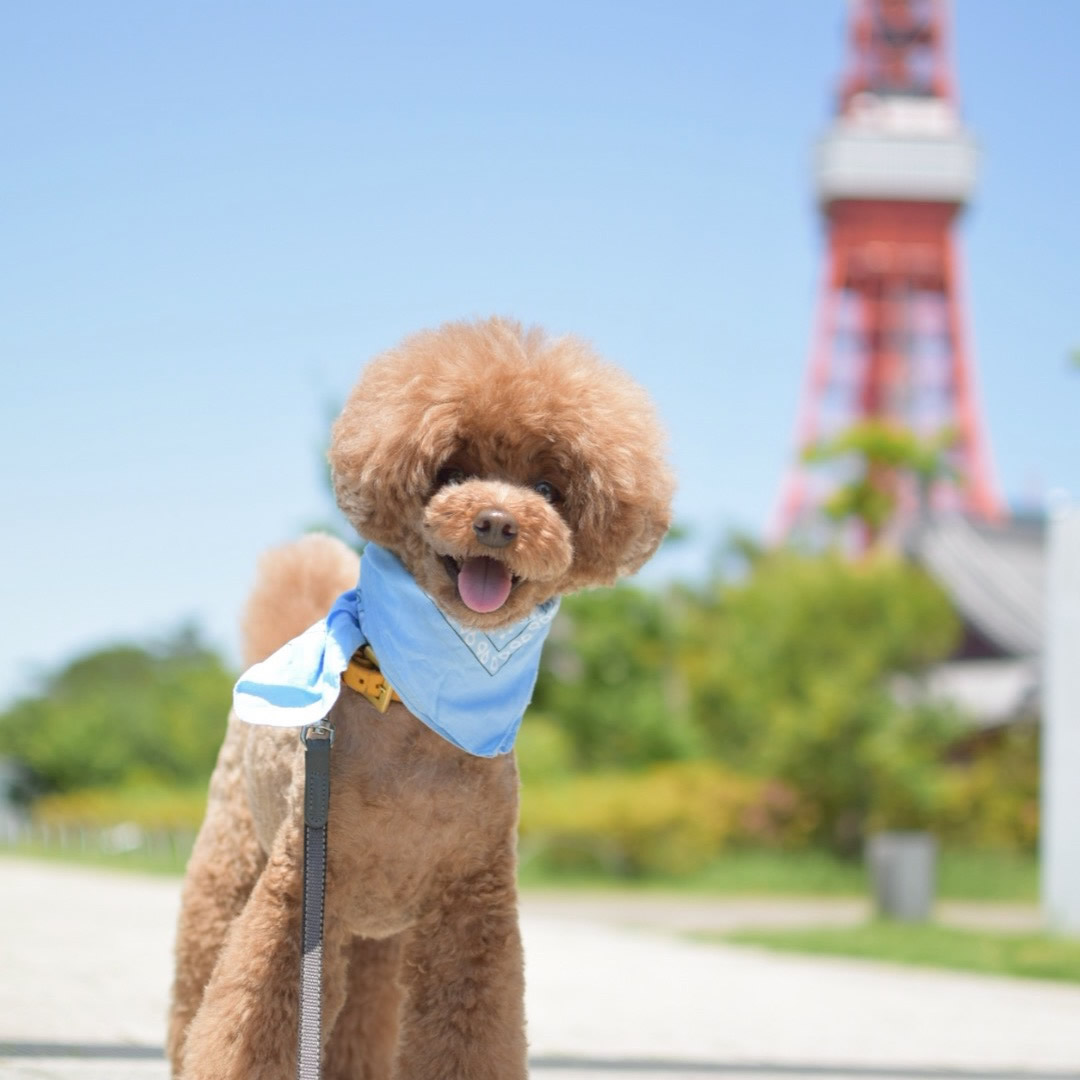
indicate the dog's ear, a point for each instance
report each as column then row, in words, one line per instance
column 622, row 525
column 384, row 454
column 645, row 524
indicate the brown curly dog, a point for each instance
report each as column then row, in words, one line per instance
column 502, row 468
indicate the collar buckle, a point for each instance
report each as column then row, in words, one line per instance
column 363, row 676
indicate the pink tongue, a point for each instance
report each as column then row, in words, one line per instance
column 483, row 584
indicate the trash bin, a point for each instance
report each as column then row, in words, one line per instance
column 903, row 874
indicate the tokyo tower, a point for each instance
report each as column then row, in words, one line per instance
column 893, row 172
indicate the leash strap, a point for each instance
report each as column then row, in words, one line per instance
column 317, row 742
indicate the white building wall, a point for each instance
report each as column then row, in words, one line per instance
column 1061, row 726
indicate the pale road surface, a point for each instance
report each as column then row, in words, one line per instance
column 612, row 993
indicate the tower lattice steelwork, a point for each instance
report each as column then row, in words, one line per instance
column 893, row 172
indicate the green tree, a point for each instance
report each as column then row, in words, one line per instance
column 883, row 455
column 611, row 681
column 123, row 714
column 789, row 673
column 786, row 674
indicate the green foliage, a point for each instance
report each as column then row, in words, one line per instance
column 791, row 674
column 148, row 807
column 884, row 444
column 544, row 750
column 611, row 678
column 670, row 819
column 992, row 802
column 784, row 675
column 123, row 715
column 883, row 454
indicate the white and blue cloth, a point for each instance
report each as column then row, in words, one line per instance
column 471, row 686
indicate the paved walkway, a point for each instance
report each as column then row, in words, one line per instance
column 680, row 913
column 85, row 966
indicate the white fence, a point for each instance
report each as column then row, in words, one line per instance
column 158, row 844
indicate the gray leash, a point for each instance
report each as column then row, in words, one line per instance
column 317, row 741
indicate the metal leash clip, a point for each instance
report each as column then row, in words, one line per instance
column 321, row 729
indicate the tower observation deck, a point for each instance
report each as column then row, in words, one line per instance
column 894, row 147
column 892, row 173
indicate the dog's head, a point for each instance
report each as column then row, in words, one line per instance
column 502, row 467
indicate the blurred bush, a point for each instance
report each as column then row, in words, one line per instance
column 612, row 677
column 146, row 807
column 991, row 802
column 669, row 819
column 544, row 750
column 783, row 674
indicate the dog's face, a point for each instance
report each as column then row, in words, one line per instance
column 502, row 468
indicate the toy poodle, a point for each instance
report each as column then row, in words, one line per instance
column 490, row 470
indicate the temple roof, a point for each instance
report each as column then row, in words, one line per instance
column 994, row 575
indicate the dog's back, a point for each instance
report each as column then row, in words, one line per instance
column 295, row 586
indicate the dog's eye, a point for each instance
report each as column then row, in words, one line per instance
column 450, row 475
column 548, row 491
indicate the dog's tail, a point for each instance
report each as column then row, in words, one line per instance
column 295, row 587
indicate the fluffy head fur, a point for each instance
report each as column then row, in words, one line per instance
column 477, row 416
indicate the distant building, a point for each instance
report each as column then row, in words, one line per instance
column 994, row 574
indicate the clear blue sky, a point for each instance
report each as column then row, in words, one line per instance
column 213, row 213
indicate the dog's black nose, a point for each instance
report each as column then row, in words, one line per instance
column 495, row 528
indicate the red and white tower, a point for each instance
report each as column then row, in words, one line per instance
column 893, row 172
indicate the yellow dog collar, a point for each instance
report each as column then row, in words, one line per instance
column 363, row 676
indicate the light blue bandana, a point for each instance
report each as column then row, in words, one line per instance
column 471, row 686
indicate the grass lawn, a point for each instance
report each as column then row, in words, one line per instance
column 962, row 876
column 1036, row 956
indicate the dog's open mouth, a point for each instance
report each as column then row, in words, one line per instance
column 482, row 583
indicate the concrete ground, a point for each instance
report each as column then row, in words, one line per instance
column 612, row 994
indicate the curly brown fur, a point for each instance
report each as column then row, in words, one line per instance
column 506, row 406
column 475, row 440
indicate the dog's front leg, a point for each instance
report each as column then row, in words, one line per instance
column 364, row 1040
column 464, row 1013
column 246, row 1026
